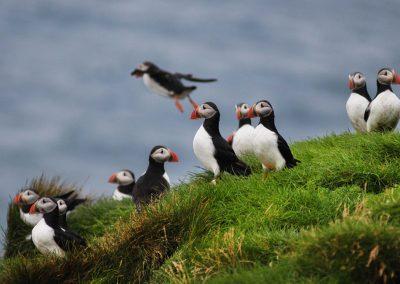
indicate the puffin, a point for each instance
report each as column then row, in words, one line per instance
column 48, row 236
column 211, row 149
column 242, row 139
column 358, row 101
column 167, row 84
column 269, row 146
column 24, row 201
column 383, row 112
column 126, row 181
column 155, row 180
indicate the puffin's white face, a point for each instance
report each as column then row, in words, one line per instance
column 62, row 206
column 143, row 67
column 206, row 111
column 124, row 178
column 28, row 196
column 161, row 155
column 242, row 111
column 262, row 109
column 386, row 76
column 356, row 80
column 43, row 205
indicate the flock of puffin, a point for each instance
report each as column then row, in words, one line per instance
column 48, row 215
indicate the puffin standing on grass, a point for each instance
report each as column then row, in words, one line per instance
column 167, row 84
column 47, row 235
column 126, row 181
column 242, row 139
column 269, row 146
column 383, row 113
column 211, row 149
column 155, row 180
column 358, row 101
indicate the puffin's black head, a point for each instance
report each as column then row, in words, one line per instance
column 145, row 67
column 205, row 110
column 162, row 154
column 262, row 108
column 123, row 177
column 26, row 197
column 44, row 205
column 242, row 110
column 388, row 76
column 356, row 80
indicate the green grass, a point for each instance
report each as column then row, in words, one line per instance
column 334, row 218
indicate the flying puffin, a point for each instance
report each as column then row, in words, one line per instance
column 269, row 146
column 358, row 101
column 47, row 235
column 126, row 181
column 383, row 112
column 242, row 139
column 167, row 84
column 155, row 180
column 211, row 149
column 24, row 201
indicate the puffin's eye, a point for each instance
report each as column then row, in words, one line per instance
column 203, row 107
column 124, row 174
column 162, row 151
column 245, row 107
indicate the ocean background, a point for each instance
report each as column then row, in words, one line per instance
column 69, row 107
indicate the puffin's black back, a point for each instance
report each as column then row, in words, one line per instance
column 224, row 154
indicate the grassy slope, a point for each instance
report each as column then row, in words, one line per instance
column 335, row 218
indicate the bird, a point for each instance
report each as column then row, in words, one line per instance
column 155, row 180
column 269, row 146
column 211, row 149
column 242, row 139
column 24, row 201
column 358, row 101
column 167, row 84
column 48, row 236
column 383, row 112
column 64, row 207
column 126, row 181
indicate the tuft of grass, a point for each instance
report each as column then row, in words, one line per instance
column 334, row 218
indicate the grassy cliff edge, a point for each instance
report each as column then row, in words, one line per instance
column 334, row 218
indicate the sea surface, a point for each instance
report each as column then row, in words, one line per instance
column 69, row 107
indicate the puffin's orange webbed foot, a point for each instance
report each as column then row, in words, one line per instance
column 179, row 106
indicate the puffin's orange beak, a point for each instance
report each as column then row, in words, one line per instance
column 396, row 78
column 229, row 139
column 174, row 157
column 351, row 84
column 251, row 114
column 32, row 210
column 113, row 178
column 195, row 114
column 238, row 114
column 17, row 198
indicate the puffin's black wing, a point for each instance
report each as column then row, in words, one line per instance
column 169, row 81
column 65, row 195
column 286, row 152
column 72, row 203
column 367, row 112
column 149, row 186
column 227, row 159
column 66, row 240
column 189, row 77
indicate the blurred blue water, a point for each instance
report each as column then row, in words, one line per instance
column 69, row 107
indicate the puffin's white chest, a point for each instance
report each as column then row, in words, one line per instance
column 30, row 219
column 265, row 146
column 385, row 112
column 204, row 150
column 43, row 239
column 243, row 141
column 118, row 195
column 356, row 106
column 155, row 87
